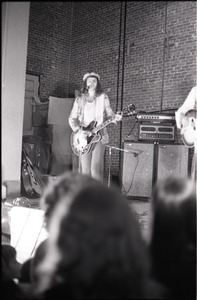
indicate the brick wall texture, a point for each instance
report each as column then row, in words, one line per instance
column 49, row 46
column 145, row 53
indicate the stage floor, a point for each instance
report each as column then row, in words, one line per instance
column 25, row 227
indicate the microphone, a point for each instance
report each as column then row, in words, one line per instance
column 86, row 89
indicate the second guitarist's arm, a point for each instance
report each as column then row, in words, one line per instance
column 189, row 104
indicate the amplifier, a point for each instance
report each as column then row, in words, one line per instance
column 159, row 117
column 156, row 132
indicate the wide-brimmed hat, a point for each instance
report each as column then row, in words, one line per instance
column 92, row 74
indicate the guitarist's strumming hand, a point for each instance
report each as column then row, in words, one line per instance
column 181, row 120
column 184, row 121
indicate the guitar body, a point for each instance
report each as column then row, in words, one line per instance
column 83, row 140
column 189, row 128
column 31, row 179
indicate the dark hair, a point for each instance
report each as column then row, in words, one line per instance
column 8, row 252
column 26, row 271
column 65, row 184
column 99, row 90
column 173, row 241
column 37, row 258
column 99, row 247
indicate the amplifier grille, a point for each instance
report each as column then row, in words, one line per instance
column 156, row 132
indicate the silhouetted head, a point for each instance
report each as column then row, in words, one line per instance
column 66, row 183
column 10, row 266
column 94, row 243
column 173, row 240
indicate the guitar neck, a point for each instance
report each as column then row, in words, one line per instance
column 104, row 124
column 128, row 111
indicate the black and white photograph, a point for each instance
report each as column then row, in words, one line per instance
column 98, row 149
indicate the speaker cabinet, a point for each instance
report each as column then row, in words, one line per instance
column 137, row 169
column 172, row 161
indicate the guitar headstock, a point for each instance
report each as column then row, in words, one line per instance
column 129, row 110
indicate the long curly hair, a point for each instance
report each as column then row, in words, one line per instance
column 95, row 248
column 66, row 183
column 98, row 90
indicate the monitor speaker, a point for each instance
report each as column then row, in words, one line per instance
column 173, row 160
column 137, row 169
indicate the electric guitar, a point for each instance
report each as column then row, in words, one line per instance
column 189, row 128
column 82, row 140
column 31, row 178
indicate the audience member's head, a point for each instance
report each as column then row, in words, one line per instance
column 65, row 183
column 95, row 248
column 10, row 266
column 28, row 275
column 37, row 259
column 10, row 272
column 173, row 240
column 25, row 274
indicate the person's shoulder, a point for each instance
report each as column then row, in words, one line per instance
column 195, row 88
column 79, row 98
column 193, row 92
column 102, row 95
column 105, row 96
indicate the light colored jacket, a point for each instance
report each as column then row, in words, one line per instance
column 103, row 112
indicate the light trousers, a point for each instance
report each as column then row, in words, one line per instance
column 93, row 162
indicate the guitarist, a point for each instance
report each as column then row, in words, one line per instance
column 189, row 104
column 92, row 105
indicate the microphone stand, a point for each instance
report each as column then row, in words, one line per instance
column 119, row 149
column 81, row 127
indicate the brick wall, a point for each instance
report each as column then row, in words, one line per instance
column 143, row 72
column 95, row 47
column 50, row 30
column 152, row 79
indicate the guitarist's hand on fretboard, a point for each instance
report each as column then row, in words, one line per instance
column 117, row 118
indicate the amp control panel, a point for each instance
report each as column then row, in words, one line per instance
column 156, row 132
